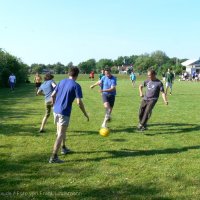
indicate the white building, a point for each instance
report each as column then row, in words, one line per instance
column 192, row 65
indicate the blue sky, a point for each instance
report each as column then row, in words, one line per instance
column 50, row 31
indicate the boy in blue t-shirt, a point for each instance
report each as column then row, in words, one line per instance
column 133, row 78
column 62, row 98
column 108, row 89
column 46, row 89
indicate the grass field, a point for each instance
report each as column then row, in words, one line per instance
column 160, row 163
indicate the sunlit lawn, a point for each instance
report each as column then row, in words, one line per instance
column 160, row 163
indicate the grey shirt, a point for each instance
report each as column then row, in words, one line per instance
column 153, row 89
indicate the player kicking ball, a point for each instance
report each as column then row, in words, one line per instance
column 108, row 89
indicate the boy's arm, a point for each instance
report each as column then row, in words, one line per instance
column 140, row 90
column 164, row 98
column 82, row 107
column 97, row 83
column 113, row 88
column 53, row 97
column 39, row 92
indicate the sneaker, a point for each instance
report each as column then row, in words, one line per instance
column 55, row 160
column 41, row 131
column 103, row 125
column 65, row 151
column 141, row 127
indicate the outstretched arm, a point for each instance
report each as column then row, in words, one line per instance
column 94, row 85
column 82, row 107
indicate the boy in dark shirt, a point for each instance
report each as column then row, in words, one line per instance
column 154, row 87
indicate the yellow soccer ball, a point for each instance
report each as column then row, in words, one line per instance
column 104, row 132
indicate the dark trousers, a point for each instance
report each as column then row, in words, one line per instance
column 145, row 111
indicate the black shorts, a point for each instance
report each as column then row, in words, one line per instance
column 37, row 85
column 109, row 98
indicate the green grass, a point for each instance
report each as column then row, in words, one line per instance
column 161, row 163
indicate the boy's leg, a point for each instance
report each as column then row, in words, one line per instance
column 148, row 111
column 142, row 110
column 60, row 137
column 167, row 86
column 47, row 114
column 108, row 112
column 108, row 105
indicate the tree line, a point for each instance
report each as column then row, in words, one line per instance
column 157, row 60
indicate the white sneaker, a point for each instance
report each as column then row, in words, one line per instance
column 103, row 126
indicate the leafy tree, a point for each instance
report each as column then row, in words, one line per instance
column 59, row 68
column 102, row 63
column 11, row 64
column 36, row 68
column 114, row 70
column 159, row 58
column 70, row 64
column 133, row 59
column 143, row 63
column 119, row 61
column 87, row 66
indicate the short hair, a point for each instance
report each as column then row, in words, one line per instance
column 107, row 69
column 152, row 71
column 48, row 76
column 73, row 71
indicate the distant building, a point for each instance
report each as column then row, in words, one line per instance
column 192, row 65
column 124, row 69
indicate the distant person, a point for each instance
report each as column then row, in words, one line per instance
column 46, row 89
column 101, row 74
column 108, row 89
column 91, row 76
column 185, row 76
column 196, row 77
column 37, row 81
column 169, row 78
column 153, row 89
column 193, row 75
column 133, row 78
column 62, row 98
column 12, row 81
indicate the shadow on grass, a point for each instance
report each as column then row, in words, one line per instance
column 19, row 130
column 112, row 130
column 133, row 153
column 24, row 179
column 27, row 174
column 171, row 128
column 153, row 129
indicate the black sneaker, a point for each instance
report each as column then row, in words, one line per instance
column 55, row 160
column 65, row 151
column 141, row 127
column 41, row 131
